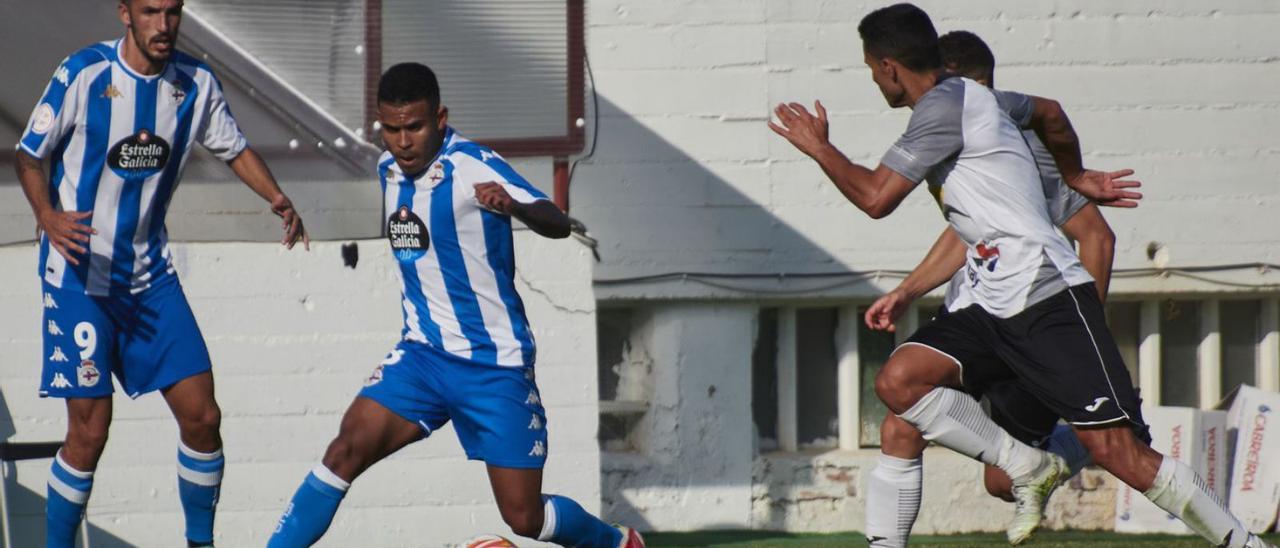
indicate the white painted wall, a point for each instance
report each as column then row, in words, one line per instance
column 292, row 336
column 1179, row 91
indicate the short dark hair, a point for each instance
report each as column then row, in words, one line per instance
column 407, row 83
column 964, row 54
column 904, row 33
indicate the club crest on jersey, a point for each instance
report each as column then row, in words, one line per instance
column 408, row 235
column 139, row 156
column 178, row 93
column 436, row 173
column 87, row 373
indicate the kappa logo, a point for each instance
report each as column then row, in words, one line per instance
column 112, row 92
column 535, row 423
column 57, row 355
column 60, row 381
column 62, row 75
column 49, row 302
column 486, row 155
column 1097, row 404
column 54, row 329
column 539, row 450
column 533, row 399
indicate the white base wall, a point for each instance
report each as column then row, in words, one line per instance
column 292, row 337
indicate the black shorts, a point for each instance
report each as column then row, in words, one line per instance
column 1059, row 353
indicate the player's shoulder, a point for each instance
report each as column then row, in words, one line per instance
column 91, row 55
column 949, row 90
column 460, row 148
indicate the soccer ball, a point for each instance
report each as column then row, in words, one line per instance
column 489, row 541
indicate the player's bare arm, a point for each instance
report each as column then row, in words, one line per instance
column 65, row 231
column 943, row 260
column 541, row 216
column 1097, row 245
column 876, row 192
column 250, row 168
column 1052, row 125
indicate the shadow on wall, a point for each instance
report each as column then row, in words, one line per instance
column 26, row 507
column 657, row 209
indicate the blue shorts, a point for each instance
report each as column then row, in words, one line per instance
column 496, row 410
column 148, row 340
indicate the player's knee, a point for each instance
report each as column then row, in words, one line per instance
column 892, row 384
column 900, row 439
column 524, row 521
column 208, row 420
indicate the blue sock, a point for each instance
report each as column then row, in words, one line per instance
column 1064, row 443
column 567, row 524
column 199, row 480
column 311, row 511
column 68, row 492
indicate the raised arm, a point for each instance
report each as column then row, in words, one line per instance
column 1051, row 124
column 250, row 168
column 939, row 265
column 876, row 192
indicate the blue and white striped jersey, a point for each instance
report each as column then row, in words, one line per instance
column 117, row 142
column 457, row 265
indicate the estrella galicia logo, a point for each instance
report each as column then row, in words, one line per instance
column 139, row 156
column 408, row 235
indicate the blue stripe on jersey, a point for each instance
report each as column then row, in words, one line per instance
column 130, row 207
column 500, row 251
column 409, row 272
column 444, row 238
column 97, row 132
column 57, row 92
column 56, row 173
column 169, row 180
column 499, row 165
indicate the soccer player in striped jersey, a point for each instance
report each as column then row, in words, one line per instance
column 467, row 353
column 116, row 125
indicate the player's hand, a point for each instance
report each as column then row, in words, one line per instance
column 293, row 229
column 1106, row 188
column 493, row 197
column 886, row 310
column 67, row 233
column 804, row 130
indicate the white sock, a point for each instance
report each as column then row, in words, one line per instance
column 955, row 420
column 1180, row 491
column 1064, row 443
column 893, row 500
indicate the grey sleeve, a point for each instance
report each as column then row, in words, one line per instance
column 1063, row 202
column 1019, row 107
column 933, row 135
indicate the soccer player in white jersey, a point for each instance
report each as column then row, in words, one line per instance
column 467, row 352
column 116, row 125
column 895, row 485
column 1033, row 307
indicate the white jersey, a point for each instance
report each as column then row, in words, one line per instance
column 456, row 259
column 1062, row 201
column 966, row 141
column 117, row 142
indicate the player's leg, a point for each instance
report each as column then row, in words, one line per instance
column 162, row 349
column 895, row 484
column 1077, row 370
column 79, row 350
column 1016, row 410
column 498, row 415
column 395, row 408
column 369, row 433
column 71, row 475
column 200, row 459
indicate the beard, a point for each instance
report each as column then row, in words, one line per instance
column 146, row 47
